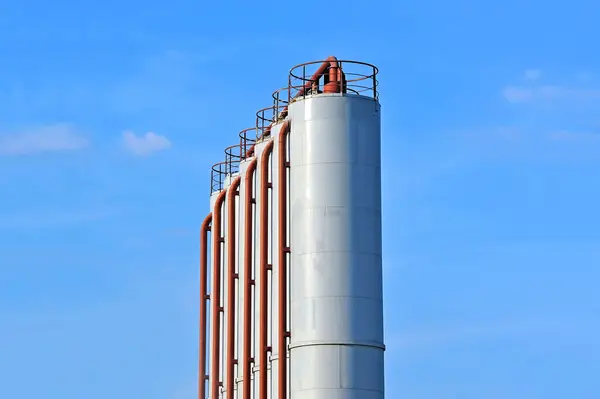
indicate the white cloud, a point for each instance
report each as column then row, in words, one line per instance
column 146, row 144
column 548, row 94
column 533, row 74
column 59, row 218
column 52, row 138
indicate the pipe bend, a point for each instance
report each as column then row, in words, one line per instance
column 206, row 223
column 204, row 229
column 333, row 61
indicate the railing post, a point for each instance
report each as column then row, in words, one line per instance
column 374, row 84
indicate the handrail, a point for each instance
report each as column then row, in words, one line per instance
column 266, row 117
column 247, row 139
column 347, row 76
column 220, row 170
column 217, row 176
column 233, row 157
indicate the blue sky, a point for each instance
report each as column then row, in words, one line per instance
column 112, row 112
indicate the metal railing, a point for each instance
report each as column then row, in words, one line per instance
column 307, row 79
column 341, row 76
column 220, row 170
column 266, row 117
column 247, row 140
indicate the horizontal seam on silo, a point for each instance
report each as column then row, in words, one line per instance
column 370, row 298
column 338, row 389
column 363, row 344
column 354, row 252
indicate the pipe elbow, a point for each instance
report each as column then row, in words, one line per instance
column 206, row 223
column 333, row 61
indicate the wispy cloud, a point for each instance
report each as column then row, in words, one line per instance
column 559, row 115
column 52, row 138
column 533, row 74
column 145, row 145
column 59, row 218
column 548, row 93
column 535, row 92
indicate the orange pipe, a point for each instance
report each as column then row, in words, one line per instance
column 264, row 269
column 330, row 62
column 204, row 297
column 216, row 295
column 231, row 277
column 248, row 281
column 282, row 252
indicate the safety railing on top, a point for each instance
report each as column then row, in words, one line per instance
column 281, row 101
column 266, row 117
column 307, row 79
column 340, row 76
column 220, row 170
column 247, row 140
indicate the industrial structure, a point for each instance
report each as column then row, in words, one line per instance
column 290, row 260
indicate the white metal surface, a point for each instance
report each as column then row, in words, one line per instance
column 336, row 347
column 335, row 306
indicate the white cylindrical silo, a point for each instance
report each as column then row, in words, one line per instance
column 336, row 345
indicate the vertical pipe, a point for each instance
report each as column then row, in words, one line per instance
column 283, row 250
column 204, row 297
column 330, row 62
column 264, row 269
column 216, row 295
column 248, row 281
column 231, row 277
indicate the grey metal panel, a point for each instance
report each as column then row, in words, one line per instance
column 336, row 270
